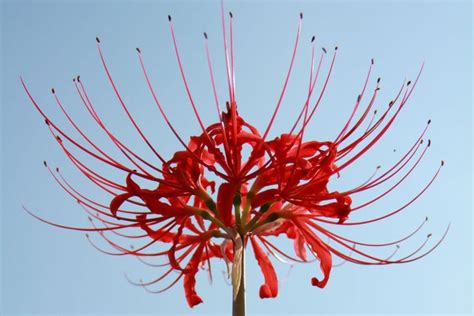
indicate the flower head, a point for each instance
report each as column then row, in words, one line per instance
column 232, row 187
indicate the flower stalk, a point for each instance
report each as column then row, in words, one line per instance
column 238, row 295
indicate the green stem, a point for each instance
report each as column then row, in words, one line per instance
column 238, row 304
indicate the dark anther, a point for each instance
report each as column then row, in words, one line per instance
column 324, row 50
column 313, row 38
column 169, row 17
column 46, row 121
column 272, row 217
column 139, row 50
column 57, row 169
column 53, row 91
column 265, row 207
column 231, row 15
column 372, row 61
column 237, row 199
column 378, row 80
column 97, row 39
column 205, row 215
column 205, row 35
column 211, row 205
column 301, row 15
column 442, row 162
column 78, row 78
column 359, row 97
column 408, row 83
column 429, row 121
column 335, row 48
column 45, row 163
column 429, row 142
column 429, row 235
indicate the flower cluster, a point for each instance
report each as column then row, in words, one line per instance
column 231, row 187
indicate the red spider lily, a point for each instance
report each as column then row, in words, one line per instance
column 268, row 188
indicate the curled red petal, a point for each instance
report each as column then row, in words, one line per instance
column 117, row 202
column 335, row 210
column 189, row 281
column 132, row 187
column 172, row 251
column 321, row 252
column 270, row 288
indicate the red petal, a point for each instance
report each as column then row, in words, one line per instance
column 322, row 253
column 264, row 197
column 160, row 234
column 270, row 287
column 335, row 210
column 132, row 187
column 309, row 149
column 208, row 184
column 189, row 281
column 151, row 199
column 225, row 198
column 299, row 245
column 117, row 202
column 172, row 251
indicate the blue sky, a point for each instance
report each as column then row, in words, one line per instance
column 47, row 270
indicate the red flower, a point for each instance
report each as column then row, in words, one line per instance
column 265, row 187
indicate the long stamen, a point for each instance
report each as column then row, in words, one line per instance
column 219, row 110
column 323, row 89
column 183, row 77
column 83, row 229
column 380, row 134
column 399, row 165
column 226, row 53
column 69, row 118
column 301, row 135
column 396, row 184
column 313, row 84
column 359, row 99
column 395, row 242
column 393, row 212
column 277, row 107
column 231, row 38
column 52, row 125
column 160, row 108
column 389, row 173
column 119, row 97
column 126, row 151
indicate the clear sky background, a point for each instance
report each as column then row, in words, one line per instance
column 51, row 271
